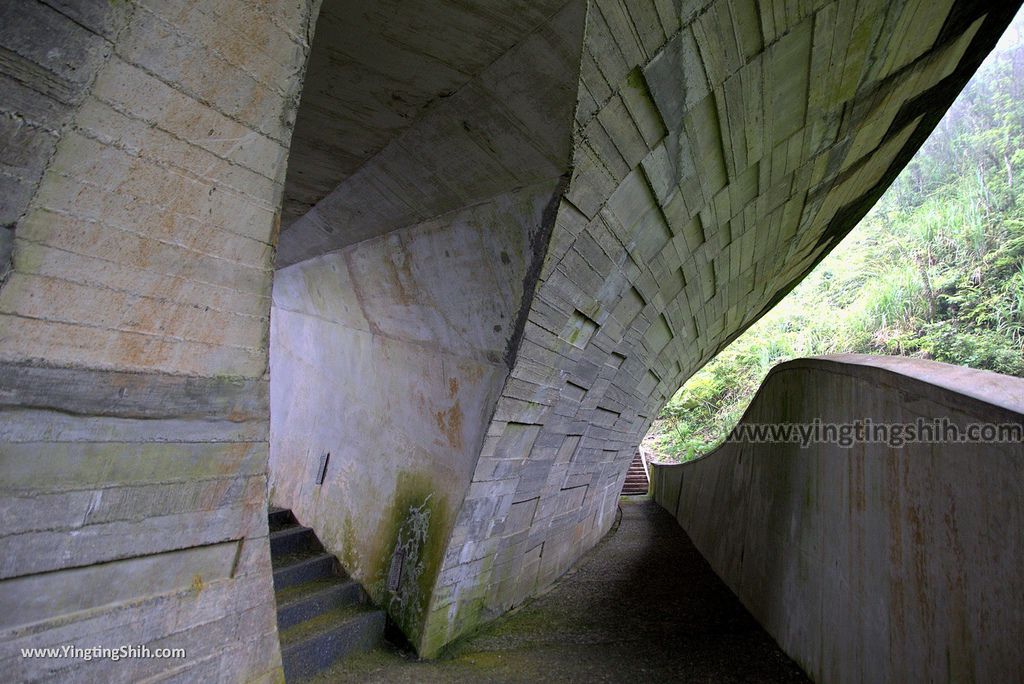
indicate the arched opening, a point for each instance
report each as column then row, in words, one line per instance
column 932, row 272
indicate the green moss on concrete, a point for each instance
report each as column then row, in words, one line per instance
column 349, row 554
column 321, row 622
column 285, row 596
column 635, row 80
column 469, row 617
column 418, row 523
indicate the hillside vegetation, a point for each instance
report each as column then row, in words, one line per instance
column 936, row 270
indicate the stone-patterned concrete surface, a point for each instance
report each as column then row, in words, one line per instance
column 142, row 150
column 642, row 606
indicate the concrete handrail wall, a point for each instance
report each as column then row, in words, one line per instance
column 870, row 563
column 645, row 456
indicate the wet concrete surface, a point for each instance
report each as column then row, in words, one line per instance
column 642, row 606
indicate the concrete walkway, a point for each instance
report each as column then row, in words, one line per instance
column 642, row 606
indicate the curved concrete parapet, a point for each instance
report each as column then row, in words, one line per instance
column 871, row 563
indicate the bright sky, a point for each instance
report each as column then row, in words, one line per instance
column 1013, row 34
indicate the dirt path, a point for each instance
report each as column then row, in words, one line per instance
column 643, row 606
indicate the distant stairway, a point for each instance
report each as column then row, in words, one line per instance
column 636, row 478
column 322, row 614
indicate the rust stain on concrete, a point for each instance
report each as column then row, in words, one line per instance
column 449, row 422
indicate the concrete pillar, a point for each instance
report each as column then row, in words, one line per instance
column 144, row 149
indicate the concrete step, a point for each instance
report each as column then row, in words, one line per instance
column 636, row 482
column 292, row 540
column 310, row 599
column 280, row 518
column 298, row 568
column 315, row 644
column 322, row 614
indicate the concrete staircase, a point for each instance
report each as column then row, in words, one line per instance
column 322, row 614
column 636, row 478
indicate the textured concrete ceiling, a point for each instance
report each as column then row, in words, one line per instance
column 376, row 65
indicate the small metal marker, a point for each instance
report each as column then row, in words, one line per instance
column 321, row 471
column 395, row 572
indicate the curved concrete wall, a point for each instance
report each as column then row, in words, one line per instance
column 720, row 149
column 870, row 563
